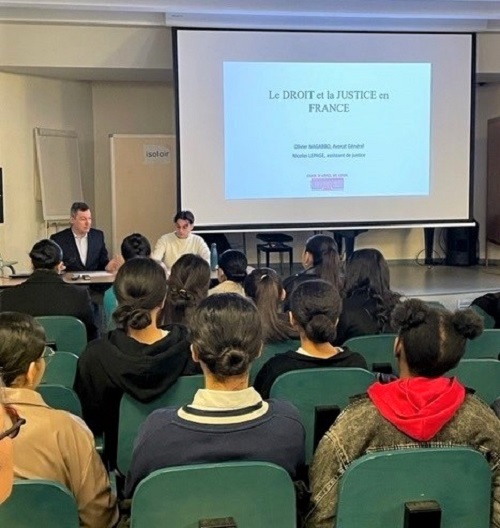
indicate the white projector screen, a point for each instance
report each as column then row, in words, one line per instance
column 304, row 129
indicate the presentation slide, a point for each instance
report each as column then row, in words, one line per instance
column 324, row 137
column 297, row 130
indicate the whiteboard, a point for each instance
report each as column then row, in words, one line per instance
column 58, row 161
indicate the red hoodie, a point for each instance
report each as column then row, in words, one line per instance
column 418, row 407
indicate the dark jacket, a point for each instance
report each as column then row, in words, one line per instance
column 118, row 364
column 46, row 293
column 358, row 318
column 290, row 283
column 97, row 254
column 292, row 360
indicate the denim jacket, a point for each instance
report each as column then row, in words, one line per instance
column 361, row 429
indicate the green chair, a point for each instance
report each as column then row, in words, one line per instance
column 375, row 488
column 482, row 375
column 487, row 345
column 60, row 397
column 41, row 503
column 314, row 390
column 489, row 321
column 378, row 350
column 435, row 305
column 254, row 494
column 68, row 333
column 270, row 350
column 61, row 369
column 133, row 413
column 109, row 305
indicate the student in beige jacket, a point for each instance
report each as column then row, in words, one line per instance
column 53, row 444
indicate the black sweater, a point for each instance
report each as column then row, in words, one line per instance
column 118, row 364
column 292, row 360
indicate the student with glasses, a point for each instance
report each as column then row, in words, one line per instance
column 53, row 444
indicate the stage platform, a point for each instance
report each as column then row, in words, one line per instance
column 453, row 286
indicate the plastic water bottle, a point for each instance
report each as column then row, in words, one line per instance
column 214, row 258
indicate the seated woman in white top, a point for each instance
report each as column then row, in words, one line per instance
column 232, row 273
column 53, row 444
column 181, row 242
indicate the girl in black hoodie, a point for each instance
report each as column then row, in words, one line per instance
column 139, row 358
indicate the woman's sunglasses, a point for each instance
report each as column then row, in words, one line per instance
column 16, row 420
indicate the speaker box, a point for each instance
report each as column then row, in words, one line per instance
column 461, row 246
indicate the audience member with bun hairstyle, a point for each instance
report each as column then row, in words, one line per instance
column 265, row 288
column 368, row 299
column 423, row 407
column 227, row 420
column 46, row 293
column 231, row 273
column 139, row 358
column 320, row 260
column 315, row 307
column 134, row 245
column 48, row 443
column 188, row 285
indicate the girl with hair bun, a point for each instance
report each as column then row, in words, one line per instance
column 231, row 273
column 187, row 285
column 227, row 420
column 423, row 408
column 315, row 307
column 139, row 358
column 46, row 293
column 320, row 260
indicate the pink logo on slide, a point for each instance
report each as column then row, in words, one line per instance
column 327, row 184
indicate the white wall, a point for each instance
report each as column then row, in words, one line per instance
column 104, row 108
column 29, row 102
column 126, row 108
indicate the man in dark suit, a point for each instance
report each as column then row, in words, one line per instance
column 83, row 247
column 46, row 293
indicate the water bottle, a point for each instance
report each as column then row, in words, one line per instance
column 214, row 258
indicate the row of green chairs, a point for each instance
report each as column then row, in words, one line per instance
column 378, row 350
column 257, row 494
column 64, row 333
column 319, row 394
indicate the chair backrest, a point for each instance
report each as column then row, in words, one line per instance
column 61, row 369
column 60, row 397
column 487, row 345
column 68, row 333
column 109, row 305
column 133, row 413
column 39, row 503
column 312, row 389
column 270, row 350
column 376, row 349
column 489, row 320
column 482, row 375
column 374, row 489
column 254, row 494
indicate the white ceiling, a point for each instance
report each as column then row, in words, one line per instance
column 467, row 15
column 383, row 15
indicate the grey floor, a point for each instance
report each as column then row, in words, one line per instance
column 453, row 286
